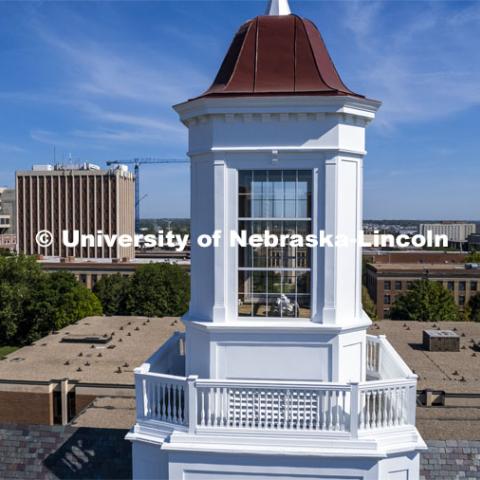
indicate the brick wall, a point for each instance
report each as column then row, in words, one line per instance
column 26, row 408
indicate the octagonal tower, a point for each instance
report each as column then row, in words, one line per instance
column 276, row 376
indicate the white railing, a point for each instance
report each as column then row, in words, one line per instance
column 162, row 398
column 387, row 404
column 203, row 405
column 259, row 405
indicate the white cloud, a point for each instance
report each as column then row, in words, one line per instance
column 420, row 66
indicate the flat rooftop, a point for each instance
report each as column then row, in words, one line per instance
column 133, row 340
column 415, row 267
column 452, row 372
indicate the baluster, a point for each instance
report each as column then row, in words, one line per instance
column 268, row 409
column 368, row 395
column 222, row 406
column 323, row 410
column 240, row 412
column 286, row 408
column 272, row 409
column 388, row 407
column 361, row 407
column 344, row 416
column 338, row 414
column 175, row 393
column 153, row 403
column 260, row 418
column 277, row 417
column 202, row 408
column 159, row 400
column 148, row 388
column 327, row 410
column 312, row 409
column 317, row 419
column 218, row 407
column 168, row 400
column 208, row 412
column 394, row 407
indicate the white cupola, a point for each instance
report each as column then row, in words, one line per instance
column 275, row 376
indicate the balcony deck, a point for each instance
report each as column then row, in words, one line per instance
column 167, row 400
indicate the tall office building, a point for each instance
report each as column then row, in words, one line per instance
column 82, row 198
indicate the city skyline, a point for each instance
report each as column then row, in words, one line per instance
column 98, row 81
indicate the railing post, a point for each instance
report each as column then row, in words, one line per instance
column 412, row 401
column 192, row 403
column 380, row 346
column 140, row 394
column 354, row 409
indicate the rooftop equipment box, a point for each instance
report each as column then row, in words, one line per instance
column 441, row 341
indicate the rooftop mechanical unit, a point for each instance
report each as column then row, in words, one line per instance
column 441, row 341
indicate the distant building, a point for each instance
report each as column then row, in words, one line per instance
column 7, row 211
column 82, row 198
column 90, row 272
column 474, row 241
column 457, row 232
column 387, row 281
column 7, row 219
column 414, row 256
column 54, row 379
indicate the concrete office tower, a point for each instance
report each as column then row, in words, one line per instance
column 82, row 198
column 457, row 232
column 276, row 377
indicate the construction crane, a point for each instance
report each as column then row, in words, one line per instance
column 136, row 162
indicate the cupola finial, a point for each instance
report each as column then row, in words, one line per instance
column 278, row 7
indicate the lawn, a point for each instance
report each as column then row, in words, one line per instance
column 5, row 350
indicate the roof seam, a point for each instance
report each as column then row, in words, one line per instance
column 237, row 60
column 255, row 58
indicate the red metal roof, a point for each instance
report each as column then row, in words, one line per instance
column 280, row 55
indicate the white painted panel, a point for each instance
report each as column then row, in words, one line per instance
column 215, row 475
column 351, row 363
column 280, row 361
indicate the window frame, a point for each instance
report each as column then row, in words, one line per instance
column 310, row 208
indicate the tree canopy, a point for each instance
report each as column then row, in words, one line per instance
column 425, row 301
column 159, row 290
column 155, row 290
column 368, row 304
column 473, row 257
column 33, row 303
column 474, row 308
column 112, row 291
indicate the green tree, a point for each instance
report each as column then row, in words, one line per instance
column 473, row 310
column 112, row 291
column 473, row 257
column 368, row 304
column 33, row 303
column 425, row 301
column 19, row 277
column 159, row 290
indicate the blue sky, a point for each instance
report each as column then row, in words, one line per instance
column 97, row 79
